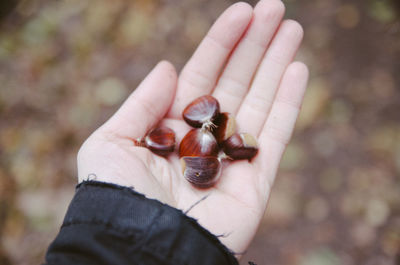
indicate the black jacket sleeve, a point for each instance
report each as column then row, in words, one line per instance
column 110, row 224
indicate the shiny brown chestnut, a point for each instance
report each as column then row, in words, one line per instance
column 202, row 172
column 198, row 142
column 240, row 146
column 225, row 127
column 160, row 140
column 201, row 112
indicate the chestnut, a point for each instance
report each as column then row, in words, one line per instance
column 198, row 142
column 240, row 146
column 225, row 127
column 160, row 140
column 201, row 112
column 202, row 172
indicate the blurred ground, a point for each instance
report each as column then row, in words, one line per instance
column 65, row 66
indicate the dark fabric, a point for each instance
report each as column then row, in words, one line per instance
column 110, row 224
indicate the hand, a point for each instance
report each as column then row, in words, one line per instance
column 245, row 61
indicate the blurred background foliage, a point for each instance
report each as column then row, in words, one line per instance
column 66, row 66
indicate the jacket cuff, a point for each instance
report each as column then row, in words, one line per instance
column 153, row 230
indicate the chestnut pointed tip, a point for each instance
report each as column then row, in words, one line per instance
column 139, row 142
column 223, row 156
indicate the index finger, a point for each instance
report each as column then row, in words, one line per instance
column 200, row 74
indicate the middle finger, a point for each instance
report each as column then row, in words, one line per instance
column 258, row 101
column 239, row 71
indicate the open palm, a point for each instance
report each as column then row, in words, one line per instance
column 245, row 61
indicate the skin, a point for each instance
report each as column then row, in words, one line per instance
column 246, row 62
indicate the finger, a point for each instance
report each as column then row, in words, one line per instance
column 236, row 78
column 278, row 128
column 262, row 92
column 147, row 105
column 199, row 75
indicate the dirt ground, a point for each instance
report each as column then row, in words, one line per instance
column 66, row 66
